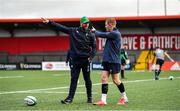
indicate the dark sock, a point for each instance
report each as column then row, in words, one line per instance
column 156, row 73
column 121, row 87
column 159, row 71
column 104, row 88
column 122, row 73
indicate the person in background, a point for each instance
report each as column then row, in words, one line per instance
column 160, row 55
column 124, row 59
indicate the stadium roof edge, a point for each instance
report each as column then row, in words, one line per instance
column 92, row 19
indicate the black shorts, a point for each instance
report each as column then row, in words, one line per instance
column 160, row 62
column 123, row 62
column 112, row 68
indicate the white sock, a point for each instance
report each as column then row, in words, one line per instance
column 124, row 96
column 103, row 97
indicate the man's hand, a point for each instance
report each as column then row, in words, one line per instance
column 90, row 59
column 172, row 60
column 44, row 20
column 93, row 29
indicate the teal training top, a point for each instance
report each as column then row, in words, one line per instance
column 123, row 54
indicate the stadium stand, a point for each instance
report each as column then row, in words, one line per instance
column 30, row 41
column 16, row 59
column 3, row 57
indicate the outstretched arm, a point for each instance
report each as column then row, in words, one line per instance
column 109, row 35
column 167, row 55
column 57, row 25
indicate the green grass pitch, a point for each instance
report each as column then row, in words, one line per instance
column 49, row 87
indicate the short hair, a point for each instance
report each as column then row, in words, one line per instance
column 111, row 20
column 157, row 47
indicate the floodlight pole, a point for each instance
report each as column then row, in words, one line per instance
column 165, row 8
column 137, row 7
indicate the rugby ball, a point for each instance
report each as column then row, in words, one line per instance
column 171, row 77
column 30, row 100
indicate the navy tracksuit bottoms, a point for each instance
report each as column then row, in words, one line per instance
column 76, row 65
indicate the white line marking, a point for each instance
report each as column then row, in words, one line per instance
column 45, row 89
column 61, row 74
column 51, row 92
column 144, row 80
column 6, row 77
column 66, row 87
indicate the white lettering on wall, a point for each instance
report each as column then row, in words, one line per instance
column 147, row 41
column 142, row 42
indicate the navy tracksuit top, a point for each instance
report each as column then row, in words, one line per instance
column 82, row 42
column 112, row 46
